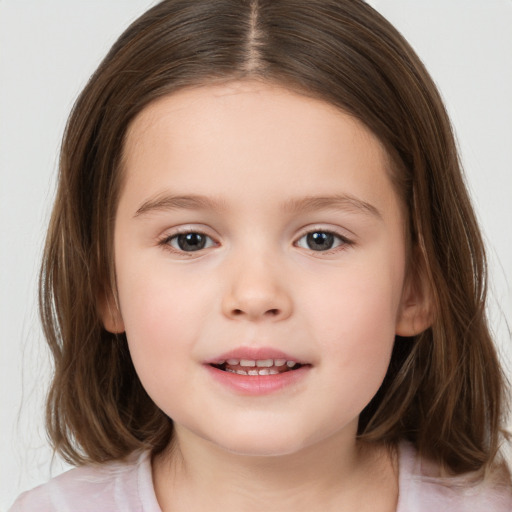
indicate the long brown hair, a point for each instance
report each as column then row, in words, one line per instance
column 444, row 390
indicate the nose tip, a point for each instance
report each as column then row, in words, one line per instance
column 256, row 298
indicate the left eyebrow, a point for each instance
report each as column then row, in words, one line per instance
column 339, row 202
column 174, row 202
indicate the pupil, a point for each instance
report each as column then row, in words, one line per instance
column 191, row 242
column 320, row 241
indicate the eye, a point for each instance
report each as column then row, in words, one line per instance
column 321, row 241
column 189, row 242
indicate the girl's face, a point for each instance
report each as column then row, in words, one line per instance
column 260, row 258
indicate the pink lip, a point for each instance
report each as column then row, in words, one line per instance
column 255, row 385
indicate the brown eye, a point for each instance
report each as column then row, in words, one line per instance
column 320, row 241
column 190, row 242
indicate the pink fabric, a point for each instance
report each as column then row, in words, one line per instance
column 128, row 487
column 112, row 487
column 421, row 491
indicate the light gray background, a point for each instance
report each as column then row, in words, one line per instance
column 49, row 48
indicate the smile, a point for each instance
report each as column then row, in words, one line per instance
column 257, row 366
column 257, row 371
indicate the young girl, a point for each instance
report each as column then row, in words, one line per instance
column 263, row 283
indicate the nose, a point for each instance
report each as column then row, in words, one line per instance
column 256, row 292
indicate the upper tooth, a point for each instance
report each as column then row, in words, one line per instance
column 265, row 362
column 261, row 363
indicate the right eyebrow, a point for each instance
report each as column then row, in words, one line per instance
column 173, row 202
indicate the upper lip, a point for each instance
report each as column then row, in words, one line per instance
column 254, row 354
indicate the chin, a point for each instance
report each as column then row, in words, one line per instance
column 260, row 443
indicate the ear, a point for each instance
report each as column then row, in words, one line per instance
column 110, row 314
column 415, row 313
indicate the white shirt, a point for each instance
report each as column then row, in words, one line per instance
column 128, row 487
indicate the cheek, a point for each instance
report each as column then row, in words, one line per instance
column 356, row 315
column 160, row 316
column 361, row 299
column 161, row 334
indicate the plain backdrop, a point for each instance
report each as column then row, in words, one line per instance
column 47, row 52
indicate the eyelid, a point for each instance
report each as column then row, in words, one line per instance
column 172, row 233
column 345, row 241
column 164, row 240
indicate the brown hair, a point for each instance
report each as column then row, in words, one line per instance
column 444, row 388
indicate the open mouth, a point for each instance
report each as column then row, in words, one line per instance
column 257, row 366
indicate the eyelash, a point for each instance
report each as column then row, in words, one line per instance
column 342, row 241
column 166, row 241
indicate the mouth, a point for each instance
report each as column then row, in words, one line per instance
column 255, row 367
column 257, row 371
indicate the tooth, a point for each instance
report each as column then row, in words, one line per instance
column 264, row 371
column 230, row 370
column 247, row 362
column 265, row 363
column 279, row 362
column 252, row 372
column 241, row 372
column 272, row 372
column 290, row 364
column 233, row 362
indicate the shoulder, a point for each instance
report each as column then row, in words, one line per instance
column 421, row 491
column 115, row 486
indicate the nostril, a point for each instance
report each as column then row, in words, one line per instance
column 255, row 312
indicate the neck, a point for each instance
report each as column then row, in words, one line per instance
column 193, row 475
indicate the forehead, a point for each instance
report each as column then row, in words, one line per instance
column 255, row 133
column 250, row 102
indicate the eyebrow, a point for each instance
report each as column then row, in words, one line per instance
column 172, row 202
column 338, row 202
column 300, row 205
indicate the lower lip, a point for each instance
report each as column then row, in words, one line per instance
column 255, row 385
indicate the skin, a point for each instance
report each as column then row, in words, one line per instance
column 258, row 153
